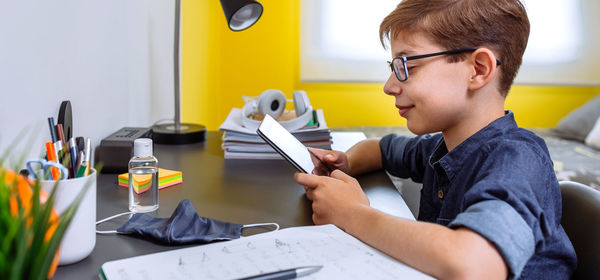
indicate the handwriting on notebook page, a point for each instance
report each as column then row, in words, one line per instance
column 341, row 255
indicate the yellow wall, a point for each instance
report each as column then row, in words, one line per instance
column 219, row 66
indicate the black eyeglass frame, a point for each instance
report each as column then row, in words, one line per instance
column 407, row 58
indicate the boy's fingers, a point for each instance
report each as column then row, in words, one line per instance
column 307, row 180
column 323, row 154
column 340, row 175
column 320, row 171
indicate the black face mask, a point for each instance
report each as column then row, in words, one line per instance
column 183, row 227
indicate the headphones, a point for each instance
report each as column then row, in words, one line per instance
column 272, row 102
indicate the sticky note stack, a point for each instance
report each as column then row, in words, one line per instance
column 166, row 178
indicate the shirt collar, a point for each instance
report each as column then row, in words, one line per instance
column 452, row 161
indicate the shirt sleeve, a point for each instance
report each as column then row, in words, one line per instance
column 505, row 202
column 406, row 157
column 500, row 224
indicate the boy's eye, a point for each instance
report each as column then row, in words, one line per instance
column 409, row 68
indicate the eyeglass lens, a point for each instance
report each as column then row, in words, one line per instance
column 399, row 67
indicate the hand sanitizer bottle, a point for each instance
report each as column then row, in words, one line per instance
column 143, row 178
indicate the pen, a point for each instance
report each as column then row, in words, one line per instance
column 52, row 129
column 286, row 274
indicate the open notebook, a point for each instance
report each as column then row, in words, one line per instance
column 341, row 255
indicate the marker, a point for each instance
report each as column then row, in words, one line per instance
column 81, row 170
column 80, row 143
column 57, row 149
column 52, row 157
column 80, row 159
column 73, row 162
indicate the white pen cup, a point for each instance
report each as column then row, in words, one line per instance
column 80, row 237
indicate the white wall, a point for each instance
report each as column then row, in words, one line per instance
column 335, row 46
column 111, row 58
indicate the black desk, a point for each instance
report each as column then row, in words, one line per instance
column 239, row 191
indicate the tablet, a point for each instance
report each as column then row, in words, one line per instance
column 286, row 144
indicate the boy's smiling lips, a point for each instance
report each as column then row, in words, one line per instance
column 402, row 110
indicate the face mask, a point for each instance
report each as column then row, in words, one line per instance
column 183, row 227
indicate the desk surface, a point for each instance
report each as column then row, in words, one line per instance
column 238, row 191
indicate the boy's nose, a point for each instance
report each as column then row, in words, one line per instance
column 392, row 86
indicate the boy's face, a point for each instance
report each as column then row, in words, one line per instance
column 434, row 98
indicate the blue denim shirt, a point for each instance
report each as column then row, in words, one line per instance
column 499, row 183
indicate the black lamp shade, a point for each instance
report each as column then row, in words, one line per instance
column 241, row 14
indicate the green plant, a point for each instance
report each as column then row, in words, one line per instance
column 30, row 229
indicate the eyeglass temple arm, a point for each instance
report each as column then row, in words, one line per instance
column 498, row 63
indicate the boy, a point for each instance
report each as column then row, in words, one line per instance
column 490, row 204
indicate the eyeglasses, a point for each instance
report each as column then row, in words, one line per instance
column 398, row 64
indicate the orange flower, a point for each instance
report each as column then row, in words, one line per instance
column 23, row 192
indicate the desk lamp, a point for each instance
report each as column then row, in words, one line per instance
column 240, row 15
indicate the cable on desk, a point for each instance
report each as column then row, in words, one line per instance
column 108, row 219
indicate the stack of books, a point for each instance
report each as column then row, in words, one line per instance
column 240, row 142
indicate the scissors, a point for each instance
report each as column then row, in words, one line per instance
column 40, row 169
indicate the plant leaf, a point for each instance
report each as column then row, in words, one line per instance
column 24, row 235
column 40, row 227
column 45, row 260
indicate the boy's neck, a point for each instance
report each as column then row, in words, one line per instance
column 480, row 115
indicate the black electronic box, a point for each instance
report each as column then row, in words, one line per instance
column 116, row 150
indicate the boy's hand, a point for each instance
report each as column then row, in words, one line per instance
column 325, row 161
column 334, row 199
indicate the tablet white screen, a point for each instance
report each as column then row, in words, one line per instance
column 287, row 144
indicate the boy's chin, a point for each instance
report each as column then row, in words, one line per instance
column 419, row 129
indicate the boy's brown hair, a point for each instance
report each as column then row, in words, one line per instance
column 501, row 25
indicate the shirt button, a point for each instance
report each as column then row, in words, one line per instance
column 441, row 194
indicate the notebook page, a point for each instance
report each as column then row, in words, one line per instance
column 341, row 255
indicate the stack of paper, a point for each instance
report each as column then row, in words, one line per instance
column 243, row 143
column 166, row 178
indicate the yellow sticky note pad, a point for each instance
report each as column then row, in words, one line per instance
column 166, row 178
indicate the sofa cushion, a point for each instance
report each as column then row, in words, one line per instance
column 593, row 138
column 578, row 124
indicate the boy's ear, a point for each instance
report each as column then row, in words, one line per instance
column 484, row 68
